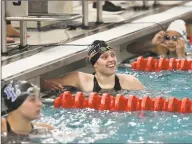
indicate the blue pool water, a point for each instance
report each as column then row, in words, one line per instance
column 91, row 126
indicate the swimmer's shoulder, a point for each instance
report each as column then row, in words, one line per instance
column 125, row 77
column 85, row 76
column 3, row 125
column 86, row 81
column 44, row 125
column 129, row 82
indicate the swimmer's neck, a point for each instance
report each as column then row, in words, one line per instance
column 105, row 79
column 19, row 124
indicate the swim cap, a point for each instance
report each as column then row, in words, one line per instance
column 96, row 49
column 178, row 26
column 16, row 92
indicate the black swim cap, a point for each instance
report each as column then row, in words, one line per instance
column 16, row 92
column 96, row 49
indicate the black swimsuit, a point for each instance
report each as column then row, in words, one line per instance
column 97, row 88
column 12, row 137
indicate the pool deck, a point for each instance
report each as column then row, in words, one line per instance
column 60, row 56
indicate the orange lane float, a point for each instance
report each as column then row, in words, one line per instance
column 190, row 39
column 122, row 103
column 151, row 64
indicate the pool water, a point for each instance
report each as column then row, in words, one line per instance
column 91, row 126
column 165, row 83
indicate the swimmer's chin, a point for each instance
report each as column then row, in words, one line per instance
column 39, row 115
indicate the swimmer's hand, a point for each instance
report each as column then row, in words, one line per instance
column 180, row 48
column 44, row 125
column 52, row 84
column 158, row 38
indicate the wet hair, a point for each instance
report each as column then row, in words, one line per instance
column 96, row 49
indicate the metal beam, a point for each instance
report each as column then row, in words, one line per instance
column 23, row 32
column 99, row 11
column 85, row 12
column 3, row 28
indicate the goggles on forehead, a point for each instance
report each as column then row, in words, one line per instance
column 33, row 91
column 94, row 54
column 16, row 92
column 98, row 49
column 13, row 92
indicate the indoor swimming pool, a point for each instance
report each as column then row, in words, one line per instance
column 57, row 38
column 92, row 126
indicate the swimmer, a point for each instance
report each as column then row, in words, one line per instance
column 104, row 61
column 23, row 105
column 173, row 42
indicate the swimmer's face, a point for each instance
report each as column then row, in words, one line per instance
column 30, row 109
column 106, row 63
column 171, row 39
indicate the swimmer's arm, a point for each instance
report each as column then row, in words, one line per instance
column 44, row 125
column 3, row 125
column 180, row 48
column 129, row 82
column 71, row 79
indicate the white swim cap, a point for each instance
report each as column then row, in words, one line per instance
column 178, row 26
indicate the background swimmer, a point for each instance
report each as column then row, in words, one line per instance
column 173, row 42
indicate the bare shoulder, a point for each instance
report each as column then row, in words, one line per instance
column 85, row 76
column 130, row 82
column 45, row 125
column 126, row 77
column 3, row 125
column 85, row 81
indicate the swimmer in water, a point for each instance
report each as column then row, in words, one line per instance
column 23, row 106
column 104, row 61
column 173, row 42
